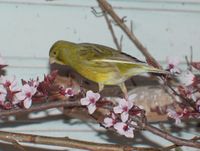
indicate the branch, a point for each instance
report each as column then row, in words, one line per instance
column 112, row 32
column 61, row 142
column 175, row 146
column 15, row 144
column 40, row 107
column 171, row 138
column 108, row 21
column 107, row 8
column 67, row 142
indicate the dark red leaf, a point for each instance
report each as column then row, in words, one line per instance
column 3, row 66
column 196, row 65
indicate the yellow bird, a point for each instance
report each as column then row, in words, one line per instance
column 98, row 63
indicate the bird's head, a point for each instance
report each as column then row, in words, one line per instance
column 58, row 52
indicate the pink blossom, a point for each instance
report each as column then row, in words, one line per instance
column 9, row 82
column 68, row 92
column 186, row 78
column 17, row 97
column 90, row 101
column 26, row 95
column 110, row 121
column 198, row 105
column 123, row 107
column 174, row 115
column 196, row 65
column 188, row 92
column 123, row 129
column 173, row 63
column 33, row 83
column 3, row 94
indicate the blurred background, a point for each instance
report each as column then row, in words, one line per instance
column 28, row 28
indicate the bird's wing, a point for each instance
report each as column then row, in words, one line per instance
column 100, row 53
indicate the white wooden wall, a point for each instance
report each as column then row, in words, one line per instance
column 28, row 28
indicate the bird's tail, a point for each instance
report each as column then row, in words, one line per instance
column 144, row 68
column 151, row 69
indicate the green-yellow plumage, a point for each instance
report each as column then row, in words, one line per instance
column 98, row 63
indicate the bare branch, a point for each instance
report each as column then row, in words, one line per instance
column 112, row 31
column 171, row 138
column 191, row 57
column 109, row 23
column 175, row 146
column 120, row 43
column 67, row 142
column 40, row 107
column 97, row 14
column 131, row 26
column 107, row 8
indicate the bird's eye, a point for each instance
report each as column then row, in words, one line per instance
column 54, row 52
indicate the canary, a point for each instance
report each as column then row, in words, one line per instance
column 98, row 63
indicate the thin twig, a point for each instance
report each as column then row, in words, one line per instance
column 174, row 145
column 18, row 146
column 191, row 57
column 112, row 31
column 96, row 14
column 131, row 26
column 107, row 8
column 67, row 142
column 171, row 138
column 120, row 43
column 189, row 102
column 40, row 107
column 188, row 63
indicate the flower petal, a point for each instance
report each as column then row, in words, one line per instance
column 122, row 102
column 85, row 101
column 18, row 97
column 97, row 96
column 91, row 108
column 173, row 60
column 90, row 94
column 108, row 122
column 118, row 109
column 119, row 127
column 129, row 133
column 26, row 88
column 27, row 103
column 2, row 90
column 186, row 78
column 2, row 98
column 177, row 121
column 130, row 104
column 124, row 116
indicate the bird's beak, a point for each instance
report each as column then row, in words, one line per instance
column 52, row 60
